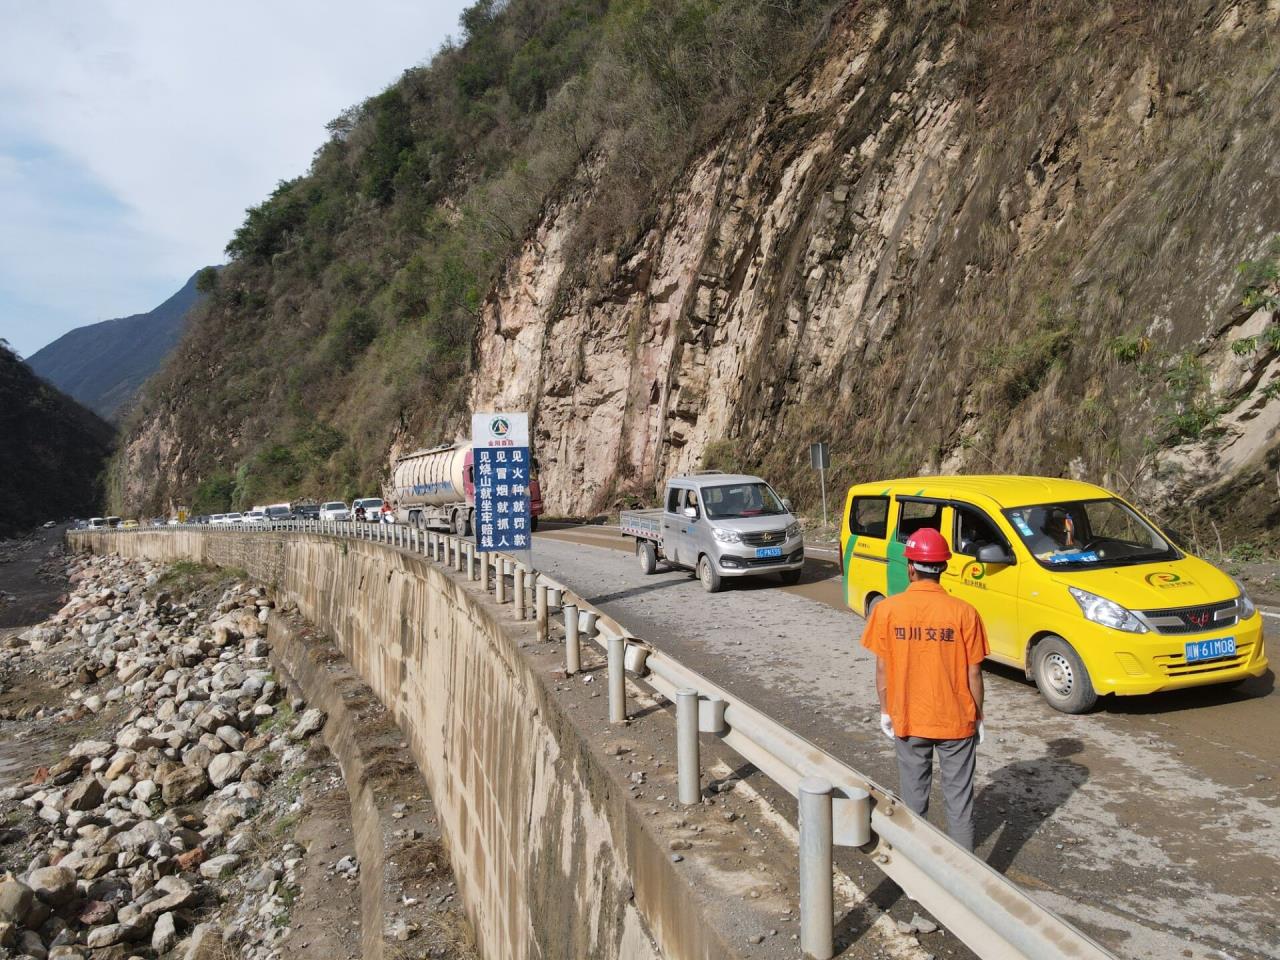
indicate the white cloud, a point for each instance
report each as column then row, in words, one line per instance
column 161, row 122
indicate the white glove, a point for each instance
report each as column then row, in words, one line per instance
column 982, row 732
column 886, row 725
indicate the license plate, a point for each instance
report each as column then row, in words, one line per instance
column 769, row 552
column 1202, row 650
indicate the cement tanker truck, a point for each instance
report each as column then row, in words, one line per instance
column 434, row 488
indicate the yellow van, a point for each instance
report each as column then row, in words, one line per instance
column 1074, row 585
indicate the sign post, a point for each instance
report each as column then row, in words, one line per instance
column 820, row 458
column 502, row 469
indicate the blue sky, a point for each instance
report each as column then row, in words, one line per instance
column 134, row 133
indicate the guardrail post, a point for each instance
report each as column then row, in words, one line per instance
column 572, row 654
column 484, row 571
column 540, row 609
column 460, row 555
column 617, row 679
column 555, row 598
column 688, row 762
column 471, row 561
column 519, row 591
column 817, row 921
column 500, row 581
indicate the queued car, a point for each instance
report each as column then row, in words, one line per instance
column 254, row 517
column 278, row 512
column 368, row 509
column 335, row 510
column 307, row 511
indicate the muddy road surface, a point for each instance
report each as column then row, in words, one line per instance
column 1152, row 823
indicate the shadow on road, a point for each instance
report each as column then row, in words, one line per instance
column 1021, row 795
column 630, row 592
column 1197, row 698
column 1010, row 808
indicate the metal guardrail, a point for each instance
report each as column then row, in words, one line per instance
column 838, row 805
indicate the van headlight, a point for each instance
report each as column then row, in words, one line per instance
column 1247, row 609
column 793, row 530
column 727, row 536
column 1106, row 612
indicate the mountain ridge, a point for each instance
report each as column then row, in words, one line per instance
column 103, row 365
column 54, row 450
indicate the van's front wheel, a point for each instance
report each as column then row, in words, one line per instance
column 708, row 575
column 1061, row 676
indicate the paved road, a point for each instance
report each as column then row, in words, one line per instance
column 1152, row 823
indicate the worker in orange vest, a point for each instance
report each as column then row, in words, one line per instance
column 929, row 649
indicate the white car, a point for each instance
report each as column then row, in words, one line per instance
column 234, row 518
column 97, row 523
column 334, row 510
column 217, row 519
column 372, row 507
column 254, row 516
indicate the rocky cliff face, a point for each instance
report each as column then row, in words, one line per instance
column 1009, row 245
column 955, row 235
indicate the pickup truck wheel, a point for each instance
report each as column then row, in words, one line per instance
column 1061, row 676
column 790, row 578
column 648, row 557
column 708, row 575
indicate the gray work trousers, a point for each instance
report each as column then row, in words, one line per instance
column 956, row 760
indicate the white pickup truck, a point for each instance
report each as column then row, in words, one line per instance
column 719, row 525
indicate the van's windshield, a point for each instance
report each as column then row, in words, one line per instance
column 1088, row 533
column 737, row 500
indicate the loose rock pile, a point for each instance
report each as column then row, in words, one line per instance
column 136, row 834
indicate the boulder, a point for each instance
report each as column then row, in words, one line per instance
column 91, row 749
column 215, row 868
column 226, row 767
column 174, row 893
column 85, row 795
column 205, row 943
column 140, row 836
column 185, row 785
column 108, row 935
column 54, row 885
column 16, row 901
column 309, row 724
column 165, row 934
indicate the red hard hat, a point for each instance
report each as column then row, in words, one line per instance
column 927, row 546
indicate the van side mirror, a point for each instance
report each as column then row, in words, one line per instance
column 786, row 504
column 691, row 513
column 994, row 553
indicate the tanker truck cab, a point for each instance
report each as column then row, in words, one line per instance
column 1074, row 585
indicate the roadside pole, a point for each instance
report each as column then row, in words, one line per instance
column 820, row 458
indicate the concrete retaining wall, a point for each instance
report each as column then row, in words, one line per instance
column 551, row 859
